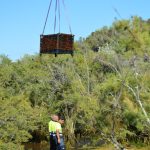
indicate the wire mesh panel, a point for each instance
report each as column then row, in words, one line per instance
column 57, row 43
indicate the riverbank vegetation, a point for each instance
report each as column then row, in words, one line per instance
column 103, row 91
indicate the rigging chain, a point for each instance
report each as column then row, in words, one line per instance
column 55, row 20
column 57, row 6
column 47, row 16
column 67, row 18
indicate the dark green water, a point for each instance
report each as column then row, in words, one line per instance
column 37, row 146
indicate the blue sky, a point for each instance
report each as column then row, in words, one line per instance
column 22, row 21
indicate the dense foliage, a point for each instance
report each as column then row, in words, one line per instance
column 105, row 93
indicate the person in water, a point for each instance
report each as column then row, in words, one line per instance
column 59, row 134
column 55, row 131
column 52, row 132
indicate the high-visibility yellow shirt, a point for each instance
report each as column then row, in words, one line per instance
column 52, row 126
column 58, row 127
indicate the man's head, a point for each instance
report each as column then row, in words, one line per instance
column 54, row 117
column 61, row 120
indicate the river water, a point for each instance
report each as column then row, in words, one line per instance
column 45, row 145
column 36, row 146
column 39, row 146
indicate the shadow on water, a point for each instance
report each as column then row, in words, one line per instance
column 45, row 146
column 36, row 146
column 83, row 144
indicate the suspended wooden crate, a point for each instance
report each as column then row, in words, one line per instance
column 56, row 44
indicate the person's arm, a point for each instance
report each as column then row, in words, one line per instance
column 58, row 136
column 58, row 129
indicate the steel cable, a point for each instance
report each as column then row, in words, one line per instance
column 47, row 16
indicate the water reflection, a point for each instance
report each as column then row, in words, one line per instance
column 36, row 146
column 44, row 146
